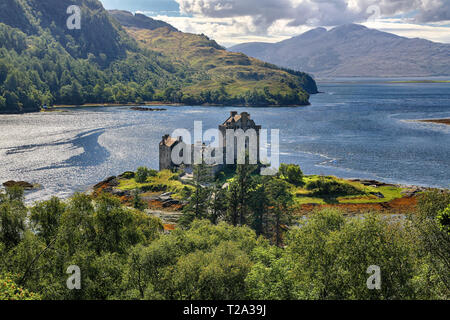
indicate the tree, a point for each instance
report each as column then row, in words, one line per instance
column 280, row 212
column 204, row 262
column 432, row 242
column 244, row 183
column 443, row 220
column 2, row 102
column 9, row 290
column 111, row 222
column 142, row 174
column 12, row 217
column 291, row 173
column 217, row 203
column 269, row 277
column 216, row 275
column 45, row 217
column 197, row 207
column 137, row 201
column 259, row 206
column 233, row 204
column 77, row 230
column 328, row 257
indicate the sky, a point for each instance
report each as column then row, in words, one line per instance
column 231, row 22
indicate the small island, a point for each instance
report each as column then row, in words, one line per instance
column 438, row 121
column 147, row 109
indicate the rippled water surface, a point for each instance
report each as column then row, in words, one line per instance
column 354, row 129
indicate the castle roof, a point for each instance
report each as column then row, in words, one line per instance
column 169, row 141
column 235, row 117
column 232, row 119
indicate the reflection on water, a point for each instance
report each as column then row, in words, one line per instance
column 360, row 130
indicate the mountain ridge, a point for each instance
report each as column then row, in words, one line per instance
column 354, row 50
column 138, row 20
column 42, row 62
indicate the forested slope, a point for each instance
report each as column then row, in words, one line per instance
column 42, row 62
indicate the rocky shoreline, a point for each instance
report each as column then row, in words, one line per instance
column 21, row 184
column 169, row 209
column 147, row 109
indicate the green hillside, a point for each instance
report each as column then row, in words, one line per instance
column 44, row 63
column 210, row 69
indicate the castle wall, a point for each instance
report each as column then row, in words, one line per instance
column 165, row 157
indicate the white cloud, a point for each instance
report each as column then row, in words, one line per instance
column 235, row 21
column 434, row 33
column 316, row 12
column 231, row 31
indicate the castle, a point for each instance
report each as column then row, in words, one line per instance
column 234, row 123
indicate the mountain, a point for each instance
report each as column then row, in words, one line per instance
column 213, row 67
column 138, row 20
column 354, row 51
column 42, row 62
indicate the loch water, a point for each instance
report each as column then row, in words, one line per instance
column 361, row 128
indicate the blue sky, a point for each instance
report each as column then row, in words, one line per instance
column 235, row 21
column 157, row 6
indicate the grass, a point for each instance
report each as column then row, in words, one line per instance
column 164, row 181
column 167, row 181
column 213, row 66
column 304, row 196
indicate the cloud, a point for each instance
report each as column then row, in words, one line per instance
column 231, row 31
column 264, row 13
column 434, row 11
column 236, row 21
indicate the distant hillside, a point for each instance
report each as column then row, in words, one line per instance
column 212, row 70
column 50, row 16
column 127, row 19
column 354, row 50
column 44, row 63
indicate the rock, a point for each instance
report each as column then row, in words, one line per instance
column 120, row 193
column 371, row 183
column 21, row 184
column 411, row 192
column 147, row 109
column 109, row 182
column 379, row 195
column 167, row 194
column 170, row 203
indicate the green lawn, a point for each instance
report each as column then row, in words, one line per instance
column 167, row 181
column 164, row 181
column 304, row 196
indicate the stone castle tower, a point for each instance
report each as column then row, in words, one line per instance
column 165, row 151
column 234, row 122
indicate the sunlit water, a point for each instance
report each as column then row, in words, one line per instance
column 353, row 130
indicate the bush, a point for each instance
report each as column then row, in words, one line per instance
column 329, row 187
column 142, row 174
column 292, row 174
column 443, row 220
column 127, row 175
column 10, row 291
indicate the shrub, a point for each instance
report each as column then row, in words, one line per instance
column 443, row 220
column 127, row 175
column 142, row 174
column 10, row 291
column 292, row 174
column 328, row 186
